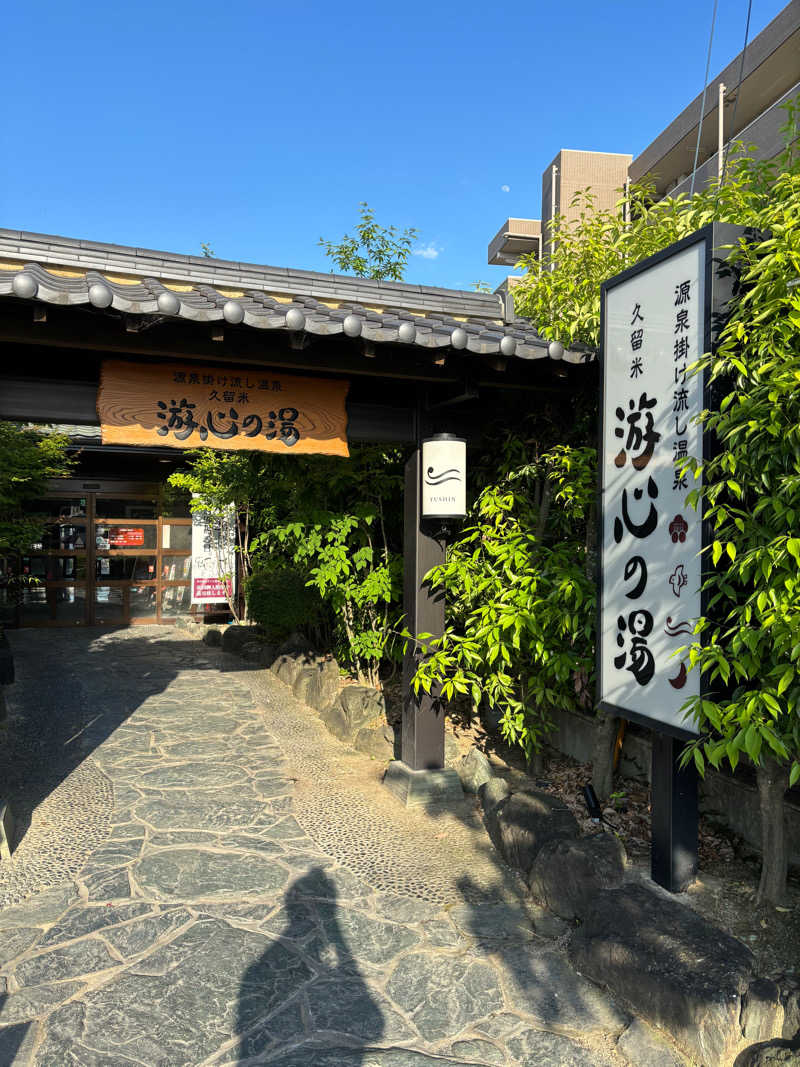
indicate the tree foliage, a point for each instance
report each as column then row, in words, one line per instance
column 29, row 458
column 340, row 524
column 749, row 645
column 373, row 251
column 335, row 522
column 224, row 482
column 520, row 631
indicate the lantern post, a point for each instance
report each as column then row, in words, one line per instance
column 435, row 501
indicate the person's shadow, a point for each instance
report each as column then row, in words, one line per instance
column 307, row 988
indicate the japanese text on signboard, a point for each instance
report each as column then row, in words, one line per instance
column 650, row 554
column 213, row 556
column 184, row 406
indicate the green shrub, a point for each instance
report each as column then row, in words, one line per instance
column 280, row 601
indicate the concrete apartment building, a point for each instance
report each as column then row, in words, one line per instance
column 750, row 112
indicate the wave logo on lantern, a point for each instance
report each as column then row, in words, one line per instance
column 451, row 475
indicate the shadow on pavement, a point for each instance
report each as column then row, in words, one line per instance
column 537, row 972
column 336, row 1002
column 72, row 692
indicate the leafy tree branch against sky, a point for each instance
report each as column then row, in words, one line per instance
column 260, row 127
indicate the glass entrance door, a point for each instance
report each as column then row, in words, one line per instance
column 126, row 547
column 106, row 559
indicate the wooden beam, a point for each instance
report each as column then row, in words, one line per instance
column 49, row 400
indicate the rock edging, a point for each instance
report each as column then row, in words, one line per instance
column 355, row 714
column 670, row 966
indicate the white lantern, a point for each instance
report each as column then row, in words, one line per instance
column 444, row 477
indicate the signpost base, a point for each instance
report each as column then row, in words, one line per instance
column 673, row 850
column 429, row 789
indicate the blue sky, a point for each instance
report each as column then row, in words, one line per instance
column 258, row 127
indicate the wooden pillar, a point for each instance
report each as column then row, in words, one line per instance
column 422, row 735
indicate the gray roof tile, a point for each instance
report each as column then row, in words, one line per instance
column 434, row 312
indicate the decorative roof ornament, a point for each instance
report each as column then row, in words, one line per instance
column 233, row 312
column 100, row 296
column 24, row 285
column 295, row 320
column 352, row 326
column 168, row 303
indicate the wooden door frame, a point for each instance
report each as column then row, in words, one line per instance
column 125, row 490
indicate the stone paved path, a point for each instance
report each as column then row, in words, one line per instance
column 258, row 897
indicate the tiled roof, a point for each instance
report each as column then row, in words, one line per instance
column 137, row 281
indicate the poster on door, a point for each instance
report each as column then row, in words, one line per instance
column 126, row 536
column 213, row 556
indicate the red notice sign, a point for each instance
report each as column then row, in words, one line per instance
column 126, row 536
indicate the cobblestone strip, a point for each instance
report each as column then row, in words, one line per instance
column 211, row 928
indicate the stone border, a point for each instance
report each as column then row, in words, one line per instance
column 670, row 966
column 355, row 714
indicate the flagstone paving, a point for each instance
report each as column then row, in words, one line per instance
column 255, row 895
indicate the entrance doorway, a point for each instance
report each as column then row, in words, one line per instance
column 106, row 558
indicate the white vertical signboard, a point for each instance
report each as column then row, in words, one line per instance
column 654, row 329
column 213, row 557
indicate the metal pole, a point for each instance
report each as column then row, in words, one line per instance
column 720, row 129
column 553, row 179
column 673, row 849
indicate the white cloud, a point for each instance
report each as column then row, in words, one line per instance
column 428, row 251
column 505, row 188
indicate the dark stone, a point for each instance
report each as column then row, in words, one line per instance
column 554, row 997
column 465, row 991
column 287, row 667
column 474, row 770
column 6, row 661
column 324, row 685
column 334, row 718
column 17, row 1043
column 545, row 924
column 679, row 972
column 644, row 1047
column 780, row 1053
column 200, row 874
column 235, row 637
column 522, row 824
column 70, row 961
column 535, row 1048
column 296, row 645
column 494, row 792
column 362, row 706
column 568, row 873
column 82, row 920
column 28, row 1003
column 15, row 942
column 762, row 1011
column 301, row 661
column 212, row 638
column 492, row 922
column 302, row 682
column 789, row 985
column 378, row 743
column 452, row 750
column 260, row 652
